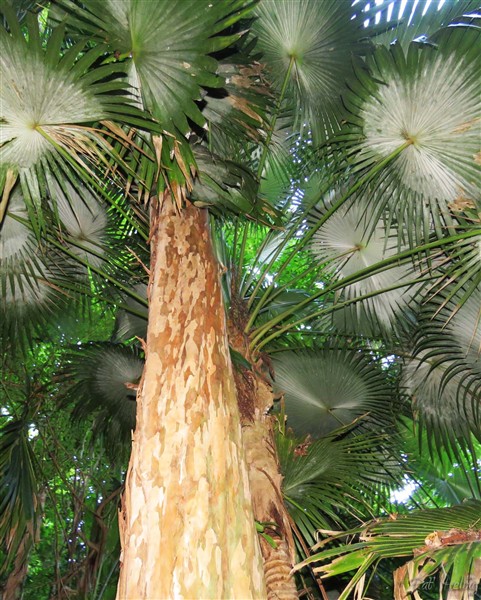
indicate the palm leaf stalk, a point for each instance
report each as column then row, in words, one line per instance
column 307, row 237
column 396, row 259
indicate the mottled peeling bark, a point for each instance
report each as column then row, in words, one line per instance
column 265, row 482
column 187, row 526
column 255, row 400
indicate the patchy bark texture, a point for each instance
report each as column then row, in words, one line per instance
column 187, row 526
column 265, row 481
column 255, row 400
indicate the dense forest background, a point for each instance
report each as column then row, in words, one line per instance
column 349, row 252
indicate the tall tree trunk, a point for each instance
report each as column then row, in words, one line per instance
column 255, row 401
column 187, row 526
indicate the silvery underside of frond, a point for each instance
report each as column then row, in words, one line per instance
column 435, row 394
column 350, row 243
column 23, row 272
column 83, row 218
column 111, row 374
column 436, row 109
column 443, row 375
column 326, row 389
column 34, row 94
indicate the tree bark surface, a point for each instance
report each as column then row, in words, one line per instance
column 187, row 526
column 255, row 402
column 267, row 501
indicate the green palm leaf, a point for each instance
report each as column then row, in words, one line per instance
column 173, row 61
column 18, row 485
column 448, row 481
column 445, row 541
column 307, row 45
column 460, row 274
column 104, row 379
column 329, row 480
column 170, row 47
column 325, row 389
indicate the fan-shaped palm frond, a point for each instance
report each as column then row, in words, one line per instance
column 328, row 388
column 48, row 102
column 458, row 325
column 349, row 241
column 441, row 401
column 26, row 274
column 444, row 542
column 170, row 47
column 444, row 373
column 104, row 379
column 426, row 99
column 84, row 222
column 168, row 53
column 404, row 22
column 330, row 480
column 307, row 46
column 128, row 324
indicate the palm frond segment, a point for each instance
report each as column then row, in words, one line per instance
column 444, row 541
column 28, row 296
column 50, row 102
column 83, row 221
column 452, row 482
column 322, row 478
column 404, row 22
column 350, row 241
column 103, row 381
column 18, row 484
column 132, row 324
column 444, row 373
column 170, row 46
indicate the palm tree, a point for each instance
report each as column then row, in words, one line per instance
column 170, row 105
